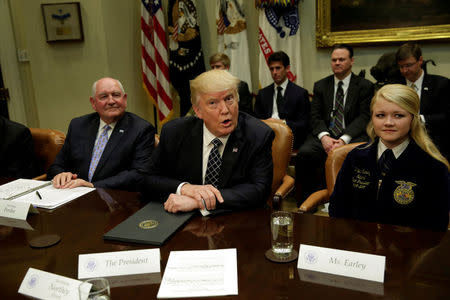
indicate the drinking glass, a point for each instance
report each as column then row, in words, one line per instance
column 99, row 290
column 282, row 227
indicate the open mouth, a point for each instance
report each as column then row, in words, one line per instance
column 226, row 122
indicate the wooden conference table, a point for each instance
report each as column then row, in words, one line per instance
column 418, row 262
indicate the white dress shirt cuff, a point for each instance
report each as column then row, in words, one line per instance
column 346, row 138
column 179, row 187
column 322, row 134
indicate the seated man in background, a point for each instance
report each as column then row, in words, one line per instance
column 434, row 94
column 16, row 150
column 108, row 148
column 220, row 160
column 284, row 100
column 339, row 115
column 221, row 61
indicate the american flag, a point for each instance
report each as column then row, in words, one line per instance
column 155, row 61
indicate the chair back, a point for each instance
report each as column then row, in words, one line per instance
column 281, row 151
column 334, row 163
column 47, row 143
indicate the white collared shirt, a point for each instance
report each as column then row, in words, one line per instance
column 208, row 146
column 275, row 114
column 397, row 150
column 418, row 84
column 101, row 127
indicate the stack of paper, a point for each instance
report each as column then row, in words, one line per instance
column 51, row 197
column 200, row 273
column 19, row 187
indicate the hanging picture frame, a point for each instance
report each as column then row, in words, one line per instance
column 62, row 22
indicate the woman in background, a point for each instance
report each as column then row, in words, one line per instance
column 399, row 178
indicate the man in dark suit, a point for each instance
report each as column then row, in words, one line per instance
column 339, row 115
column 284, row 100
column 109, row 148
column 16, row 150
column 220, row 161
column 434, row 94
column 221, row 61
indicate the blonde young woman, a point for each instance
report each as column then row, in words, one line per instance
column 400, row 177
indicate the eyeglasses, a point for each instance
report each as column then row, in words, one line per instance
column 407, row 66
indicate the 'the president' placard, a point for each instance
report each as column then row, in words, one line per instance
column 341, row 262
column 118, row 263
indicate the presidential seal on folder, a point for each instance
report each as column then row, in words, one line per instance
column 149, row 225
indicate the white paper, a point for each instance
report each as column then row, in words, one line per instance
column 19, row 187
column 118, row 263
column 43, row 285
column 341, row 262
column 52, row 197
column 199, row 274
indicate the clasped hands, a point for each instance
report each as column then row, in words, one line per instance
column 193, row 197
column 329, row 143
column 68, row 180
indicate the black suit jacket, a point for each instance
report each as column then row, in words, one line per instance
column 435, row 107
column 356, row 109
column 126, row 155
column 247, row 168
column 245, row 98
column 16, row 150
column 295, row 109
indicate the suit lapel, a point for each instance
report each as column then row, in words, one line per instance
column 329, row 96
column 120, row 130
column 269, row 101
column 351, row 94
column 425, row 92
column 194, row 141
column 92, row 130
column 231, row 154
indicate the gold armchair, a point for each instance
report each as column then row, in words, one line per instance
column 333, row 164
column 282, row 183
column 47, row 143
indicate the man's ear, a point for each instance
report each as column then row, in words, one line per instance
column 197, row 110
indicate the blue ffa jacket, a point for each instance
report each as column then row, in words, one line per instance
column 415, row 192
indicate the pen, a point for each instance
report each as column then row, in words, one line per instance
column 39, row 195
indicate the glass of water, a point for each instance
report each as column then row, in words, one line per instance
column 98, row 291
column 282, row 227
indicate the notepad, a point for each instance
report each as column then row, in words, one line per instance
column 20, row 187
column 52, row 198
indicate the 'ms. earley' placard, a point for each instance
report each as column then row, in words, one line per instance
column 341, row 262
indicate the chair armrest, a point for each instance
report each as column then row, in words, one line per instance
column 314, row 200
column 41, row 177
column 287, row 184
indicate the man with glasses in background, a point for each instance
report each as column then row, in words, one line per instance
column 433, row 91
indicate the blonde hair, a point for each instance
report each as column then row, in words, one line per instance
column 211, row 82
column 407, row 98
column 220, row 57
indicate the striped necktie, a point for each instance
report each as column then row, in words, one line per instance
column 214, row 166
column 98, row 150
column 338, row 127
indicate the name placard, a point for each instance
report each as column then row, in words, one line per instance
column 118, row 263
column 14, row 214
column 43, row 285
column 341, row 262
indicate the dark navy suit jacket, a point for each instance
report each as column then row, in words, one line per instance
column 125, row 158
column 247, row 168
column 295, row 109
column 435, row 106
column 16, row 150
